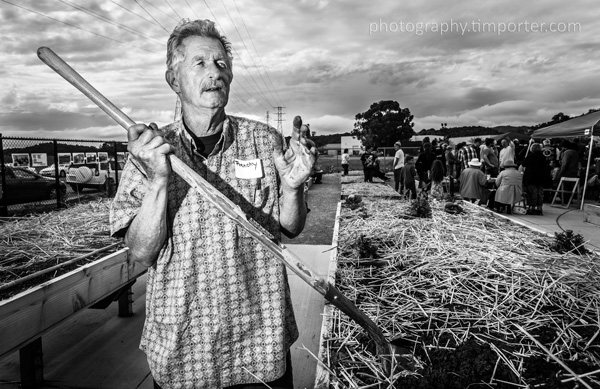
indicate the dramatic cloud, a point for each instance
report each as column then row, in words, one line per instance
column 461, row 63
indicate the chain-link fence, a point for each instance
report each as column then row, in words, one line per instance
column 43, row 174
column 333, row 163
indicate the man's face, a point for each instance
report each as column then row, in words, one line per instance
column 504, row 143
column 397, row 147
column 203, row 77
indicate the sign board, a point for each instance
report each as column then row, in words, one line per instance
column 21, row 160
column 78, row 158
column 64, row 158
column 39, row 159
column 91, row 157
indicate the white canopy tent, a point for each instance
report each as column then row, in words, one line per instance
column 586, row 125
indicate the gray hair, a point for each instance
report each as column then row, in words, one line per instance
column 186, row 28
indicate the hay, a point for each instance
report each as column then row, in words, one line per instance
column 29, row 244
column 370, row 189
column 460, row 284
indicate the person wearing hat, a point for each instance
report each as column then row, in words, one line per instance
column 510, row 187
column 398, row 164
column 473, row 182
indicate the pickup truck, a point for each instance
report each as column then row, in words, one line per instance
column 98, row 175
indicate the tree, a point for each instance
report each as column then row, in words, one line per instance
column 560, row 117
column 383, row 124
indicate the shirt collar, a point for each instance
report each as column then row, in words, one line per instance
column 190, row 143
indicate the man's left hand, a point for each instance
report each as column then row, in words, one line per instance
column 296, row 164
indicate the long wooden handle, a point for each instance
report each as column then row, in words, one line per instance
column 232, row 210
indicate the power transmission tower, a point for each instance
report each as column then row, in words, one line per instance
column 267, row 118
column 280, row 119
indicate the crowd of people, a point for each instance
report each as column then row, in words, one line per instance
column 497, row 173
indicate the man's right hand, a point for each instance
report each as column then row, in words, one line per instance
column 151, row 151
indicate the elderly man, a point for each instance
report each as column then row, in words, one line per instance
column 218, row 305
column 507, row 152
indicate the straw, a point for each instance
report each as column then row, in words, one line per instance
column 31, row 244
column 440, row 283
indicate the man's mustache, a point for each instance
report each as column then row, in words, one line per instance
column 218, row 84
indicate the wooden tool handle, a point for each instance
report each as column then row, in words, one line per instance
column 223, row 203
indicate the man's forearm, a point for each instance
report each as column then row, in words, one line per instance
column 148, row 230
column 292, row 211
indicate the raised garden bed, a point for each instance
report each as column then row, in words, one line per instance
column 479, row 300
column 98, row 269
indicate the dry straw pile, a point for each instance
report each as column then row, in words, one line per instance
column 30, row 244
column 479, row 301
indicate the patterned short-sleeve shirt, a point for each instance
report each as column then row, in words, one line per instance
column 218, row 308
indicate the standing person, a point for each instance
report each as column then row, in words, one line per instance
column 408, row 176
column 473, row 183
column 460, row 156
column 470, row 152
column 437, row 176
column 510, row 187
column 569, row 162
column 423, row 165
column 535, row 177
column 451, row 160
column 548, row 150
column 489, row 159
column 398, row 165
column 345, row 161
column 368, row 162
column 506, row 153
column 218, row 307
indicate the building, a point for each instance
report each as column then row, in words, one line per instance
column 330, row 149
column 353, row 144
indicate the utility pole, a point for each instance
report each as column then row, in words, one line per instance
column 267, row 118
column 280, row 119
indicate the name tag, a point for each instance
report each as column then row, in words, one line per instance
column 252, row 168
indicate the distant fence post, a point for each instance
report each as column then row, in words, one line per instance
column 3, row 206
column 56, row 175
column 116, row 165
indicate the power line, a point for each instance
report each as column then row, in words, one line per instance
column 249, row 53
column 170, row 6
column 110, row 21
column 256, row 51
column 234, row 50
column 77, row 27
column 194, row 12
column 159, row 10
column 130, row 11
column 149, row 14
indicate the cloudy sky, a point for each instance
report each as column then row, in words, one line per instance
column 462, row 63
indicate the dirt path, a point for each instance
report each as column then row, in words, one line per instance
column 322, row 201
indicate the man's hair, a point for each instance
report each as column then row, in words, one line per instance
column 409, row 158
column 187, row 28
column 345, row 150
column 489, row 141
column 536, row 147
column 477, row 140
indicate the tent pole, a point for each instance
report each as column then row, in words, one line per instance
column 587, row 170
